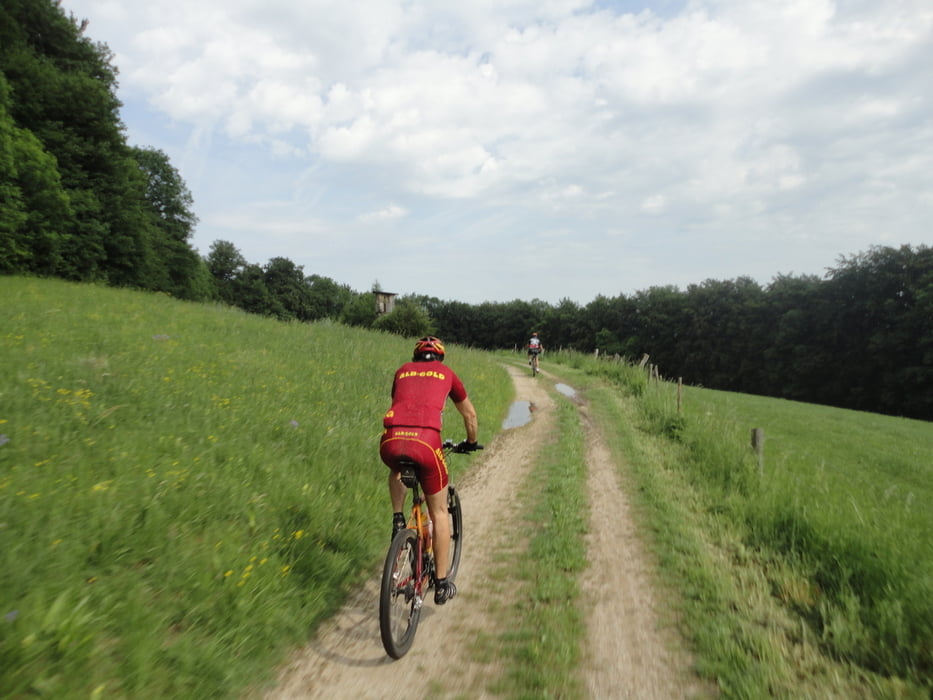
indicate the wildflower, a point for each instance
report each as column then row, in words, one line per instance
column 293, row 423
column 11, row 616
column 4, row 440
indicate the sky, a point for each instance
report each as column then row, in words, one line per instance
column 495, row 150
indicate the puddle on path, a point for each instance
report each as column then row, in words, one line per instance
column 566, row 390
column 519, row 415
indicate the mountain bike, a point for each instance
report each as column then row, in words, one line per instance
column 533, row 361
column 408, row 574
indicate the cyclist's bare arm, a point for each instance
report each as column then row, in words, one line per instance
column 470, row 422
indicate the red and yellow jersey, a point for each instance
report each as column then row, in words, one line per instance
column 419, row 392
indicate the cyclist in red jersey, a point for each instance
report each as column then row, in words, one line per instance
column 413, row 431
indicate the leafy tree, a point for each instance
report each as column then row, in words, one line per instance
column 407, row 319
column 170, row 209
column 514, row 322
column 47, row 206
column 360, row 311
column 605, row 321
column 880, row 331
column 14, row 250
column 454, row 321
column 607, row 342
column 286, row 282
column 657, row 321
column 64, row 88
column 327, row 298
column 720, row 335
column 225, row 263
column 795, row 359
column 563, row 326
column 251, row 294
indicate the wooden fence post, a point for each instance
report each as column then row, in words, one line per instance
column 758, row 444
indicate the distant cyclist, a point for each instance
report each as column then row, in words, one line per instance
column 413, row 431
column 535, row 348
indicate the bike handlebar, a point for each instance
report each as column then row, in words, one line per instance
column 463, row 447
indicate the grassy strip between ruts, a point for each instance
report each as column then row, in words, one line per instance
column 542, row 645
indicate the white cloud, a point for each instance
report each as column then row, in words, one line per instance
column 709, row 121
column 654, row 203
column 393, row 211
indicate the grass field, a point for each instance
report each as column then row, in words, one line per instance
column 186, row 491
column 182, row 486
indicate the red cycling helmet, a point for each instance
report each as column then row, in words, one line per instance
column 428, row 348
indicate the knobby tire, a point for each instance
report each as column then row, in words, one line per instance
column 399, row 611
column 456, row 531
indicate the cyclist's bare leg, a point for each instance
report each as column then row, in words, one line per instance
column 397, row 491
column 437, row 506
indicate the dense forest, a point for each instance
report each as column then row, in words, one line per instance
column 80, row 203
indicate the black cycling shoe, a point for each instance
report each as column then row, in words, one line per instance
column 398, row 524
column 444, row 591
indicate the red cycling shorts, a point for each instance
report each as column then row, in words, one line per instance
column 423, row 447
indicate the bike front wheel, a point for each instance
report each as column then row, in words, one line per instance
column 400, row 598
column 456, row 531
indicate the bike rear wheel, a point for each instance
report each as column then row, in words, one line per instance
column 400, row 598
column 456, row 531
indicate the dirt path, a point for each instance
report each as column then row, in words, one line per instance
column 625, row 654
column 630, row 654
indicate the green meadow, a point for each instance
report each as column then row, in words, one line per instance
column 187, row 491
column 805, row 570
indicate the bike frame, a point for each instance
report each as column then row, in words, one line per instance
column 416, row 522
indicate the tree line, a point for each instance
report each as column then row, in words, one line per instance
column 860, row 337
column 78, row 202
